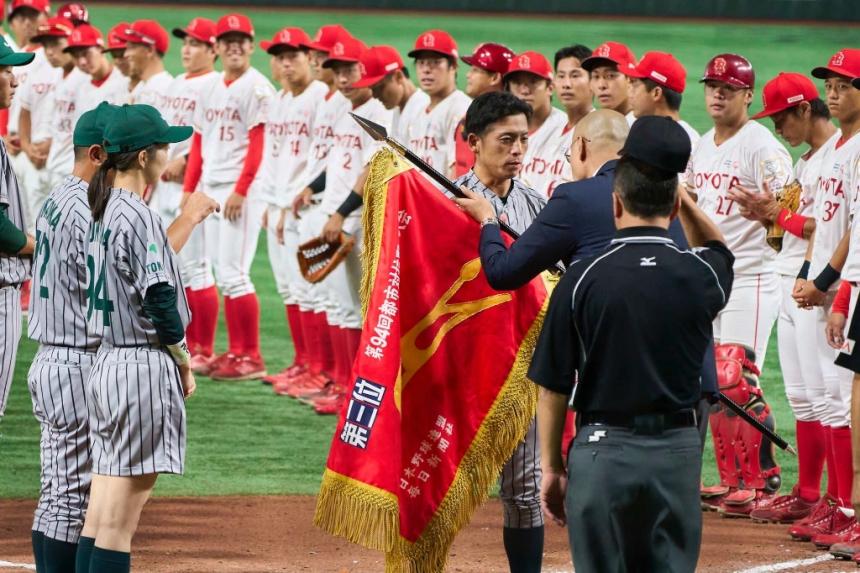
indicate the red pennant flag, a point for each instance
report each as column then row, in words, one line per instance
column 440, row 396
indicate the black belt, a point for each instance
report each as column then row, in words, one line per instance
column 642, row 423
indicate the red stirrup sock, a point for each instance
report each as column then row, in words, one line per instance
column 295, row 322
column 832, row 473
column 206, row 318
column 841, row 439
column 234, row 330
column 810, row 459
column 248, row 314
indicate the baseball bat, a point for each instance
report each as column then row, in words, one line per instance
column 751, row 420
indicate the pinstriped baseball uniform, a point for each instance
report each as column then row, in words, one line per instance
column 519, row 482
column 134, row 394
column 58, row 321
column 13, row 271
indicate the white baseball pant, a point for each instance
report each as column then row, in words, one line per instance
column 750, row 313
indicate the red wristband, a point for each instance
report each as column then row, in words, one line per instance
column 842, row 302
column 791, row 222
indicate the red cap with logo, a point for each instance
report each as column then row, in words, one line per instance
column 234, row 23
column 114, row 37
column 730, row 69
column 149, row 33
column 287, row 38
column 326, row 37
column 436, row 41
column 532, row 63
column 786, row 91
column 845, row 62
column 37, row 5
column 76, row 12
column 54, row 28
column 613, row 52
column 661, row 68
column 347, row 50
column 378, row 62
column 491, row 57
column 85, row 36
column 200, row 29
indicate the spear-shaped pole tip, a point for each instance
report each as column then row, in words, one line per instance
column 375, row 130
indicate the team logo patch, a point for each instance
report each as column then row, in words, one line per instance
column 233, row 22
column 428, row 41
column 838, row 59
column 524, row 62
column 337, row 49
column 602, row 51
column 795, row 98
column 596, row 436
column 720, row 65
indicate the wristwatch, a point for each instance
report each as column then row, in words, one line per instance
column 489, row 221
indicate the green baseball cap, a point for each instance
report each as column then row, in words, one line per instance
column 137, row 126
column 90, row 129
column 9, row 57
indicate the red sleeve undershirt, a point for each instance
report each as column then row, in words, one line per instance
column 791, row 222
column 4, row 121
column 253, row 158
column 842, row 302
column 194, row 166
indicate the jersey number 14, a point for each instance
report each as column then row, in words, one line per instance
column 97, row 292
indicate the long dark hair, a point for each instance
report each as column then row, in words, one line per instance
column 98, row 192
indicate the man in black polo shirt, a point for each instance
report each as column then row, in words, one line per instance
column 631, row 325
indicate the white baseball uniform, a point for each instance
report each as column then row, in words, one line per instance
column 692, row 133
column 112, row 89
column 329, row 111
column 182, row 97
column 543, row 164
column 61, row 156
column 289, row 134
column 798, row 329
column 36, row 96
column 751, row 158
column 404, row 120
column 22, row 74
column 431, row 134
column 837, row 185
column 352, row 150
column 225, row 116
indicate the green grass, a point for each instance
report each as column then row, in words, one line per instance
column 245, row 440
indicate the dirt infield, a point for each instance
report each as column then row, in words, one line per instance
column 267, row 534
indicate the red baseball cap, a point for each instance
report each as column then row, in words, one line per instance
column 345, row 50
column 54, row 28
column 661, row 68
column 234, row 23
column 491, row 57
column 114, row 38
column 201, row 29
column 148, row 33
column 85, row 36
column 533, row 63
column 378, row 62
column 845, row 62
column 74, row 11
column 288, row 37
column 326, row 37
column 785, row 91
column 37, row 5
column 437, row 41
column 614, row 52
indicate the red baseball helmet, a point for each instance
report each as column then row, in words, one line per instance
column 491, row 57
column 74, row 11
column 732, row 69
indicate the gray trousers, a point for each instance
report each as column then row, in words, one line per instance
column 633, row 500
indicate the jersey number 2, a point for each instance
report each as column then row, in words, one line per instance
column 43, row 249
column 97, row 292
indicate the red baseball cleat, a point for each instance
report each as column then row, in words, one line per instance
column 713, row 495
column 330, row 405
column 818, row 520
column 216, row 362
column 240, row 368
column 849, row 546
column 783, row 509
column 742, row 502
column 288, row 372
column 307, row 383
column 201, row 364
column 841, row 530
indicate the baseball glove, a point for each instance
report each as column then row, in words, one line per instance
column 318, row 258
column 788, row 198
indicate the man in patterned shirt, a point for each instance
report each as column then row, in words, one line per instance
column 497, row 128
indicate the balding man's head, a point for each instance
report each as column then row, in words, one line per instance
column 597, row 138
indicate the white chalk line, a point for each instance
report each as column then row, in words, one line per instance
column 786, row 565
column 10, row 565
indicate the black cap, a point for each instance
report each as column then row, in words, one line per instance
column 660, row 142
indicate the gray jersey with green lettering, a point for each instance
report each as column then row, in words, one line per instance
column 128, row 253
column 13, row 270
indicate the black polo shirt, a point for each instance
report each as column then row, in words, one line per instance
column 633, row 323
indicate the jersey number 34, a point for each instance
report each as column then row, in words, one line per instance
column 97, row 292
